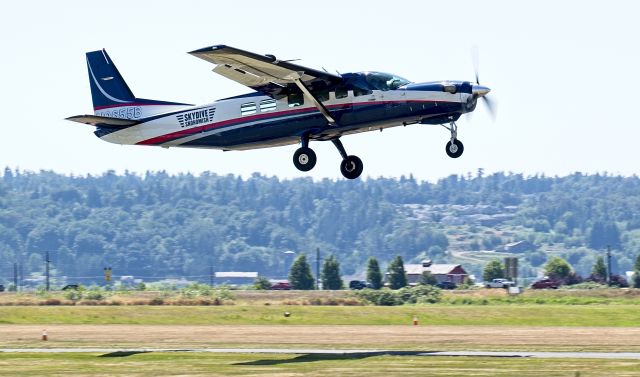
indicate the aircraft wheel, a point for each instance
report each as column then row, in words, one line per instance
column 455, row 149
column 351, row 167
column 304, row 159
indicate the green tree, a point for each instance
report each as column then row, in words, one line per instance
column 261, row 283
column 300, row 276
column 557, row 268
column 331, row 274
column 397, row 275
column 374, row 276
column 428, row 279
column 599, row 270
column 493, row 270
column 636, row 275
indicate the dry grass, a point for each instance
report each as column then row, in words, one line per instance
column 426, row 338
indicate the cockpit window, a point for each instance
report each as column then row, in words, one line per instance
column 385, row 81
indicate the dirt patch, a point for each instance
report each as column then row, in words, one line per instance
column 381, row 337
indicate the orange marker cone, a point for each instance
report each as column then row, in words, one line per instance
column 44, row 334
column 415, row 320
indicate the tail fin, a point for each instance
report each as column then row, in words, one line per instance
column 111, row 95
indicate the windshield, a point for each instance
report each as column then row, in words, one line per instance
column 385, row 81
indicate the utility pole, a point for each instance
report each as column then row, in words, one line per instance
column 317, row 268
column 211, row 275
column 608, row 265
column 47, row 269
column 21, row 270
column 15, row 276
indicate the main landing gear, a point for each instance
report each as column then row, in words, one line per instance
column 304, row 159
column 454, row 146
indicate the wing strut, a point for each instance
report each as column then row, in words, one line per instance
column 323, row 110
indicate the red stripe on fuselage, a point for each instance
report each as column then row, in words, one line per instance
column 207, row 127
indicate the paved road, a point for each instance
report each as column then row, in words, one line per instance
column 131, row 351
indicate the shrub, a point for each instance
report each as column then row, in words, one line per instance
column 73, row 295
column 156, row 301
column 262, row 283
column 588, row 285
column 420, row 294
column 382, row 297
column 426, row 294
column 618, row 281
column 94, row 295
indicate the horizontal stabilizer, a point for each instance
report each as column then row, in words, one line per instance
column 100, row 121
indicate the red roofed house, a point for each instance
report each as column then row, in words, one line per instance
column 442, row 272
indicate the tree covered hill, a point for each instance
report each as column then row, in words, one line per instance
column 158, row 225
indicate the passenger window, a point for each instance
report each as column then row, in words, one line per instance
column 248, row 108
column 322, row 95
column 267, row 105
column 295, row 99
column 361, row 92
column 341, row 93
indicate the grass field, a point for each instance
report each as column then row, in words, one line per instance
column 604, row 320
column 199, row 364
column 438, row 314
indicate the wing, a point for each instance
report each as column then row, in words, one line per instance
column 265, row 73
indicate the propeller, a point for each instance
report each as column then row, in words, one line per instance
column 480, row 91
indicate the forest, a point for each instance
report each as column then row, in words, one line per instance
column 157, row 226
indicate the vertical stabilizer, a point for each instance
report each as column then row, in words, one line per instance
column 111, row 95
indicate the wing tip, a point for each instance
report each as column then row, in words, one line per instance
column 207, row 49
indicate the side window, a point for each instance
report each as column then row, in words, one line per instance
column 341, row 93
column 322, row 95
column 361, row 92
column 248, row 108
column 295, row 99
column 267, row 105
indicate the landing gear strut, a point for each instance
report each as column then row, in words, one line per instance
column 454, row 146
column 351, row 166
column 304, row 158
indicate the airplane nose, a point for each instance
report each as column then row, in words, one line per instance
column 480, row 90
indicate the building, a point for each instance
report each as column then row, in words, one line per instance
column 518, row 247
column 442, row 272
column 236, row 277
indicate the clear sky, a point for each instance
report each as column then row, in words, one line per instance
column 565, row 75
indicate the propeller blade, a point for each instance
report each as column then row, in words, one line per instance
column 491, row 106
column 475, row 58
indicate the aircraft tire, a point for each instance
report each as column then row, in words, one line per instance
column 304, row 159
column 455, row 149
column 351, row 167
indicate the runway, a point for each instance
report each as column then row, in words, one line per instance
column 115, row 352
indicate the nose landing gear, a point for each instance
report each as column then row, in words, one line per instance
column 454, row 147
column 351, row 166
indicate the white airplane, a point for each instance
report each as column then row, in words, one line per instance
column 291, row 104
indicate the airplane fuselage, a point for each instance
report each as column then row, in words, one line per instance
column 257, row 121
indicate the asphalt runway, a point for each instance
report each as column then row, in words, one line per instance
column 115, row 352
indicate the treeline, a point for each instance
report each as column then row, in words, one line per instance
column 157, row 224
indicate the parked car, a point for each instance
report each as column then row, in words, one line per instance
column 499, row 283
column 545, row 283
column 281, row 286
column 70, row 286
column 446, row 285
column 1, row 288
column 359, row 284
